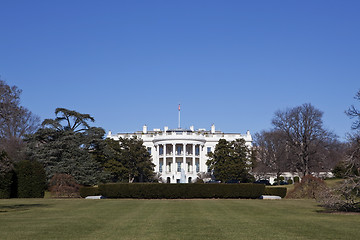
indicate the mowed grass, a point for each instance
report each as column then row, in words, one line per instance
column 172, row 219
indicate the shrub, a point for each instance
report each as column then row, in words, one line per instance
column 290, row 181
column 64, row 185
column 199, row 180
column 89, row 191
column 275, row 191
column 339, row 170
column 31, row 179
column 309, row 187
column 6, row 181
column 296, row 179
column 184, row 191
column 6, row 175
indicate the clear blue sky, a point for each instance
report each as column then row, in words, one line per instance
column 231, row 63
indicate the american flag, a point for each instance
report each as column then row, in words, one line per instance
column 179, row 107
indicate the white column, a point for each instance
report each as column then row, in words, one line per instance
column 174, row 160
column 164, row 158
column 193, row 159
column 164, row 165
column 184, row 157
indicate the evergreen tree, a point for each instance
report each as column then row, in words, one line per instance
column 128, row 160
column 230, row 161
column 66, row 148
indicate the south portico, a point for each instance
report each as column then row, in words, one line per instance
column 180, row 154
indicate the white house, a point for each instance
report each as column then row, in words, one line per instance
column 180, row 154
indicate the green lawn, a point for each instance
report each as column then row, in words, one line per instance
column 172, row 219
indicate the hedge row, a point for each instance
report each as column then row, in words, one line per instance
column 175, row 191
column 27, row 180
column 31, row 179
column 6, row 184
column 89, row 191
column 275, row 191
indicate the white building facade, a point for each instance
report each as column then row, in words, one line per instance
column 180, row 155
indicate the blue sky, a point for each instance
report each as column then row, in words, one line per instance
column 231, row 63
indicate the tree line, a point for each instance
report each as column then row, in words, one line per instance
column 298, row 142
column 69, row 144
column 66, row 144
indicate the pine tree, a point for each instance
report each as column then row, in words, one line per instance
column 230, row 161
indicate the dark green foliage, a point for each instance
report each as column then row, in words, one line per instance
column 89, row 191
column 276, row 191
column 279, row 180
column 6, row 182
column 6, row 175
column 31, row 179
column 290, row 181
column 230, row 161
column 199, row 180
column 181, row 191
column 128, row 160
column 342, row 169
column 296, row 179
column 68, row 148
column 339, row 170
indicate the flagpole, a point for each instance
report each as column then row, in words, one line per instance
column 179, row 117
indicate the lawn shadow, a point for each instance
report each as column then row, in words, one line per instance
column 20, row 207
column 328, row 211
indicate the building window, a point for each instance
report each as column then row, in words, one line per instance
column 188, row 150
column 209, row 150
column 168, row 180
column 179, row 166
column 197, row 150
column 177, row 180
column 197, row 165
column 178, row 150
column 161, row 150
column 149, row 150
column 189, row 180
column 160, row 167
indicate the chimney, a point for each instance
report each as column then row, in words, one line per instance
column 166, row 128
column 109, row 134
column 145, row 129
column 212, row 128
column 192, row 128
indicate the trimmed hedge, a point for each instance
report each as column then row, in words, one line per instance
column 31, row 179
column 296, row 179
column 180, row 191
column 275, row 191
column 89, row 191
column 6, row 182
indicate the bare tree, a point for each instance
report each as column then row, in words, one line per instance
column 15, row 121
column 345, row 197
column 272, row 153
column 303, row 129
column 352, row 112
